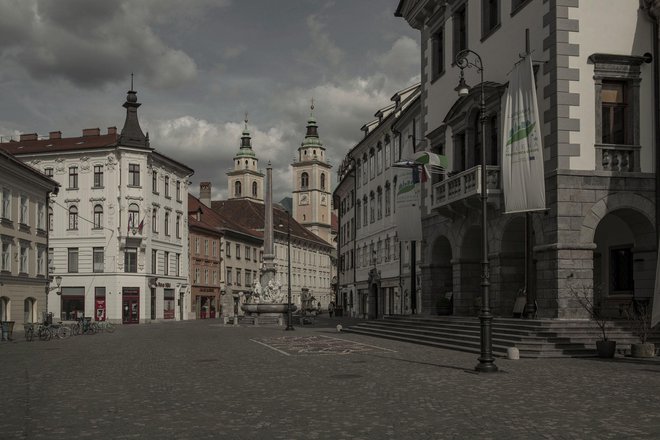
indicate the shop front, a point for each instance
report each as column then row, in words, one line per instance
column 207, row 303
column 169, row 308
column 73, row 303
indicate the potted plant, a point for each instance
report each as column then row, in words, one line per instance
column 639, row 314
column 586, row 297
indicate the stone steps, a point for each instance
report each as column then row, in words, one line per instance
column 533, row 338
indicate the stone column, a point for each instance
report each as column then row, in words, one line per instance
column 268, row 269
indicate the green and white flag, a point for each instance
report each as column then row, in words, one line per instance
column 523, row 180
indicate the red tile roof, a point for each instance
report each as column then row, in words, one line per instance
column 216, row 222
column 251, row 215
column 62, row 144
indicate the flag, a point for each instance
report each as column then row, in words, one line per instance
column 141, row 226
column 523, row 180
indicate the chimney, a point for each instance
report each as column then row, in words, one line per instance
column 112, row 130
column 28, row 137
column 55, row 135
column 91, row 131
column 205, row 193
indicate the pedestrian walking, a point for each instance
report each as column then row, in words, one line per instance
column 331, row 308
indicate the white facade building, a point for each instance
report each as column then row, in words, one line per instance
column 119, row 225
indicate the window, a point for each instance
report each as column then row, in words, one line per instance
column 197, row 245
column 365, row 208
column 387, row 249
column 394, row 196
column 358, row 172
column 372, row 206
column 73, row 177
column 98, row 259
column 238, row 277
column 247, row 252
column 228, row 247
column 134, row 216
column 130, row 260
column 98, row 217
column 397, row 148
column 388, row 151
column 51, row 255
column 41, row 266
column 206, row 276
column 23, row 264
column 614, row 112
column 41, row 216
column 304, row 180
column 178, row 265
column 254, row 189
column 517, row 5
column 380, row 203
column 621, row 270
column 388, row 200
column 166, row 263
column 73, row 218
column 459, row 24
column 48, row 172
column 154, row 182
column 238, row 251
column 229, row 276
column 133, row 174
column 214, row 251
column 178, row 226
column 248, row 278
column 24, row 220
column 237, row 189
column 154, row 261
column 167, row 187
column 6, row 204
column 206, row 247
column 490, row 16
column 167, row 223
column 98, row 176
column 215, row 277
column 372, row 164
column 438, row 53
column 379, row 158
column 358, row 214
column 154, row 220
column 178, row 190
column 322, row 181
column 6, row 260
column 72, row 260
column 197, row 275
column 50, row 218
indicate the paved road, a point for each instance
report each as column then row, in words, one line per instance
column 203, row 380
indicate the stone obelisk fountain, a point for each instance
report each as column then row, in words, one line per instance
column 267, row 299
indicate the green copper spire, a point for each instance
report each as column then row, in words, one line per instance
column 246, row 142
column 312, row 136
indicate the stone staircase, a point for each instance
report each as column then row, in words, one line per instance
column 534, row 338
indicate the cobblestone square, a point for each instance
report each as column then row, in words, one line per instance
column 202, row 380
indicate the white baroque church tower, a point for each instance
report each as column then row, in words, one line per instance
column 312, row 198
column 245, row 181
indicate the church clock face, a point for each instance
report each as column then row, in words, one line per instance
column 324, row 200
column 304, row 199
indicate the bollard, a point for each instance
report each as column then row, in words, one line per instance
column 513, row 353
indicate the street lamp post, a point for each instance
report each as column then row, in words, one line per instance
column 289, row 318
column 486, row 361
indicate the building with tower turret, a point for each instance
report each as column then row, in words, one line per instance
column 118, row 228
column 245, row 181
column 312, row 198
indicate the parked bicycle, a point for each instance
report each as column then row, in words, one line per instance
column 105, row 326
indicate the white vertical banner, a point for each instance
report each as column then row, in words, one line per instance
column 523, row 179
column 408, row 212
column 655, row 311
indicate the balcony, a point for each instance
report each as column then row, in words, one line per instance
column 464, row 185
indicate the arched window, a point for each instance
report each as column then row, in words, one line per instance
column 372, row 164
column 379, row 158
column 167, row 223
column 154, row 220
column 323, row 181
column 365, row 169
column 98, row 217
column 304, row 180
column 254, row 189
column 358, row 172
column 380, row 203
column 372, row 207
column 237, row 189
column 73, row 217
column 388, row 200
column 365, row 206
column 133, row 215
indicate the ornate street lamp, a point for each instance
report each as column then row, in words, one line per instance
column 464, row 59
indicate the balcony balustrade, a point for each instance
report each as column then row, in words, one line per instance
column 464, row 185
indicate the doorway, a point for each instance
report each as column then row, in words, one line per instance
column 130, row 305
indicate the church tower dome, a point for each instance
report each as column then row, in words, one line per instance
column 245, row 180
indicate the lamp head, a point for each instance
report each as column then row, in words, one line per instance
column 58, row 280
column 462, row 88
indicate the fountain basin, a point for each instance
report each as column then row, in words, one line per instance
column 267, row 308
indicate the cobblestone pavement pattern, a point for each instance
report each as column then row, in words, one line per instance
column 201, row 380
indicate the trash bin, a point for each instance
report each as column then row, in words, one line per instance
column 7, row 330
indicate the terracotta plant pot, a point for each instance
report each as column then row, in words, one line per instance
column 606, row 349
column 646, row 350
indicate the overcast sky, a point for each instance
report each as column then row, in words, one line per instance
column 199, row 66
